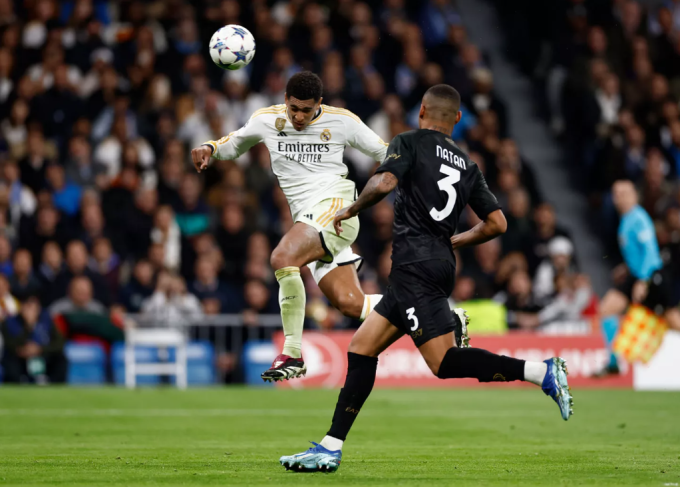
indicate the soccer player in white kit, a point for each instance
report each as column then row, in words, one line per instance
column 306, row 141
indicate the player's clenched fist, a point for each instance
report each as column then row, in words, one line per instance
column 201, row 157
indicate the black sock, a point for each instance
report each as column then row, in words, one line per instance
column 480, row 364
column 358, row 385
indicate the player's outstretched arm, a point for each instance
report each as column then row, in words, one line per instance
column 379, row 186
column 230, row 146
column 491, row 227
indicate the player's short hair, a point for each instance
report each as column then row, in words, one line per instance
column 443, row 100
column 305, row 85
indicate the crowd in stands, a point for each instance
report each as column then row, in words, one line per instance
column 612, row 76
column 102, row 214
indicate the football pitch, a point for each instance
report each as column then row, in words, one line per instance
column 234, row 436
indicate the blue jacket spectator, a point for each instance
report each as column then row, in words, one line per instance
column 33, row 347
column 65, row 195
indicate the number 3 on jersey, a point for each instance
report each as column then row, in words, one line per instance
column 410, row 314
column 446, row 185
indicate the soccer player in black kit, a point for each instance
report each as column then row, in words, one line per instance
column 435, row 180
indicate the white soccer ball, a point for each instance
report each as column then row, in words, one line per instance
column 232, row 47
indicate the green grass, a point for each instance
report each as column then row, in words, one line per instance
column 234, row 436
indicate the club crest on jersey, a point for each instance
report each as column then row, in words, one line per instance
column 326, row 135
column 280, row 123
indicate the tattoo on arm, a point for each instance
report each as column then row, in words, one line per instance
column 379, row 186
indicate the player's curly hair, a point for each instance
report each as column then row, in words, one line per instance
column 304, row 85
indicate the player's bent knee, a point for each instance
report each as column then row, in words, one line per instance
column 350, row 304
column 360, row 348
column 280, row 259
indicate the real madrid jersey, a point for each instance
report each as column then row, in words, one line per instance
column 308, row 163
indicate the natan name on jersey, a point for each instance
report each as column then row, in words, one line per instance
column 448, row 155
column 301, row 152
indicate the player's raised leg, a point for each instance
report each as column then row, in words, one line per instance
column 448, row 362
column 374, row 336
column 297, row 248
column 342, row 288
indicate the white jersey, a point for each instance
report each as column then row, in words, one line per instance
column 308, row 164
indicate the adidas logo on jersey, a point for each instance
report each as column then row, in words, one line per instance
column 309, row 216
column 282, row 134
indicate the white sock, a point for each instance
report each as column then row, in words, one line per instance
column 330, row 443
column 534, row 372
column 370, row 302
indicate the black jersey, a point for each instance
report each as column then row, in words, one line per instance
column 436, row 181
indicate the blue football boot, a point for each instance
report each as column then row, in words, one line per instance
column 555, row 385
column 316, row 459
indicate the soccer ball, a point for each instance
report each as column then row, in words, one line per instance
column 232, row 47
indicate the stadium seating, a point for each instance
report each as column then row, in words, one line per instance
column 257, row 356
column 86, row 363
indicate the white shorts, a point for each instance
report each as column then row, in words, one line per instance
column 338, row 247
column 345, row 257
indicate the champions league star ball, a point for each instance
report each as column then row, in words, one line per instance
column 232, row 47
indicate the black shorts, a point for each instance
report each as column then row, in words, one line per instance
column 660, row 290
column 417, row 299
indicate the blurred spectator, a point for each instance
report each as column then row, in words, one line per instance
column 9, row 305
column 257, row 301
column 23, row 282
column 171, row 304
column 545, row 229
column 65, row 195
column 232, row 237
column 33, row 347
column 76, row 266
column 5, row 256
column 21, row 199
column 484, row 267
column 13, row 128
column 518, row 298
column 519, row 222
column 34, row 165
column 106, row 264
column 110, row 152
column 51, row 265
column 46, row 228
column 80, row 168
column 59, row 106
column 79, row 298
column 139, row 222
column 483, row 98
column 166, row 232
column 208, row 286
column 92, row 225
column 558, row 264
column 192, row 212
column 566, row 310
column 139, row 287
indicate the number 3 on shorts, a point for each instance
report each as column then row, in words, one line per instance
column 410, row 314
